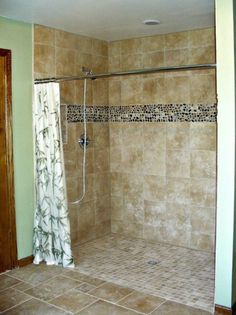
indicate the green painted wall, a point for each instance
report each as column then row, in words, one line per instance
column 226, row 151
column 18, row 37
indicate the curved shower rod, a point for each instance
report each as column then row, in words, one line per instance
column 129, row 72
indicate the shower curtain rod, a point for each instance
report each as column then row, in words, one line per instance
column 129, row 72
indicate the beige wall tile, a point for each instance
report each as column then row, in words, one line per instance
column 202, row 55
column 100, row 47
column 177, row 136
column 103, row 229
column 203, row 192
column 117, row 208
column 114, row 48
column 65, row 62
column 117, row 226
column 153, row 90
column 83, row 60
column 202, row 220
column 101, row 135
column 132, row 134
column 202, row 37
column 178, row 163
column 154, row 212
column 154, row 161
column 114, row 63
column 154, row 188
column 129, row 62
column 153, row 43
column 99, row 64
column 102, row 185
column 67, row 92
column 178, row 190
column 155, row 131
column 176, row 57
column 202, row 241
column 203, row 136
column 177, row 89
column 44, row 59
column 84, row 44
column 131, row 46
column 132, row 185
column 116, row 183
column 114, row 92
column 102, row 209
column 202, row 89
column 115, row 133
column 65, row 39
column 153, row 60
column 176, row 40
column 133, row 209
column 133, row 229
column 203, row 164
column 116, row 159
column 101, row 160
column 44, row 35
column 100, row 92
column 131, row 92
column 132, row 158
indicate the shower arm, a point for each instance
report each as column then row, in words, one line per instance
column 87, row 73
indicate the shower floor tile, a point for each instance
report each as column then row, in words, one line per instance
column 173, row 273
column 114, row 275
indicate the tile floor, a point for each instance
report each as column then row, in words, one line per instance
column 113, row 277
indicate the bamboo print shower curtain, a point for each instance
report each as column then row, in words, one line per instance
column 51, row 241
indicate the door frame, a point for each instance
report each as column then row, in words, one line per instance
column 6, row 53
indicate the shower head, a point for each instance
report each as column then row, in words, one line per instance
column 87, row 71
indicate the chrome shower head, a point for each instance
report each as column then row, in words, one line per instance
column 87, row 71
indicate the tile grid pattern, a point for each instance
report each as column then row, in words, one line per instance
column 182, row 275
column 147, row 113
column 113, row 277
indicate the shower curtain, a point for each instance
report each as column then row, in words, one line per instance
column 51, row 241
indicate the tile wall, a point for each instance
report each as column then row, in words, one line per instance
column 58, row 53
column 163, row 175
column 149, row 179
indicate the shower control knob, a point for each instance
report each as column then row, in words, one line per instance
column 83, row 141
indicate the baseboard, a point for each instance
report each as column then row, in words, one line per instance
column 25, row 261
column 220, row 310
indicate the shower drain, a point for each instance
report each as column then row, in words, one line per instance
column 152, row 262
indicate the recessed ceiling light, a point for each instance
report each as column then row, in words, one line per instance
column 151, row 22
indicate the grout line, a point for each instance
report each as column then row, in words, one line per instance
column 126, row 296
column 48, row 303
column 115, row 303
column 157, row 307
column 6, row 310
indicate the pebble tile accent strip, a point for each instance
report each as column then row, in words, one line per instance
column 145, row 113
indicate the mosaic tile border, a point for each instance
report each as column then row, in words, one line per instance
column 145, row 113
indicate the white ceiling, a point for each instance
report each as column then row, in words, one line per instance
column 112, row 19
